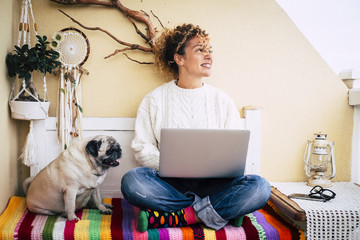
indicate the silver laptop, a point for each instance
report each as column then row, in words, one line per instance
column 203, row 153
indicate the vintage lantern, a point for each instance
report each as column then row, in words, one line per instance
column 320, row 161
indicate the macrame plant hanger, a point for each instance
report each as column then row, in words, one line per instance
column 74, row 49
column 24, row 37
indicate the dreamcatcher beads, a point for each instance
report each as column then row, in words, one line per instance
column 75, row 134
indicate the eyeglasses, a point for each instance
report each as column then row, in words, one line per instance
column 321, row 193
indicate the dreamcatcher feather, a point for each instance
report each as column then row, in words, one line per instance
column 74, row 48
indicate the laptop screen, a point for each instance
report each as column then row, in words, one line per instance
column 203, row 153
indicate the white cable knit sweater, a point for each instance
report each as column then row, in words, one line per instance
column 170, row 106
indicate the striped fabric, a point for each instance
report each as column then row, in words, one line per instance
column 18, row 223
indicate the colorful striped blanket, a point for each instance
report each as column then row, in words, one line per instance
column 16, row 222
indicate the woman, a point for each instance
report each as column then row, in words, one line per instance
column 186, row 102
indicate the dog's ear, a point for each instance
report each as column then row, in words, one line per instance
column 92, row 147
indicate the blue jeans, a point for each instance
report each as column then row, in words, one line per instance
column 215, row 200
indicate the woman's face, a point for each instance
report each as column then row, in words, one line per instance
column 197, row 60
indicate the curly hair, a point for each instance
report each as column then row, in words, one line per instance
column 173, row 41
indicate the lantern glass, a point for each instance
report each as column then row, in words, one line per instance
column 319, row 161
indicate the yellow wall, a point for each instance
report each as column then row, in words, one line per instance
column 261, row 59
column 9, row 165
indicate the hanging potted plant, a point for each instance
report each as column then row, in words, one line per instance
column 27, row 104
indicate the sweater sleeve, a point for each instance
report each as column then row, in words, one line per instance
column 145, row 143
column 233, row 120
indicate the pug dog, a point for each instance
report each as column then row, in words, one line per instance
column 72, row 180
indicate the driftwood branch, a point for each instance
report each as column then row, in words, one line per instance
column 141, row 17
column 132, row 15
column 137, row 15
column 138, row 31
column 118, row 51
column 157, row 19
column 94, row 2
column 132, row 46
column 136, row 60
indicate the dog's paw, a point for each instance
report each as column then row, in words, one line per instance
column 105, row 209
column 108, row 206
column 106, row 212
column 70, row 218
column 74, row 220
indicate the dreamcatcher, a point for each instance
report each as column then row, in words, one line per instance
column 74, row 49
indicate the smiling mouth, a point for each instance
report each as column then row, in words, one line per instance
column 206, row 65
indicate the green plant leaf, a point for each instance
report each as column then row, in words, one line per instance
column 38, row 58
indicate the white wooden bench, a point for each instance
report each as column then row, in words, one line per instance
column 122, row 129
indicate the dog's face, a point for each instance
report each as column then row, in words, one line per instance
column 105, row 150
